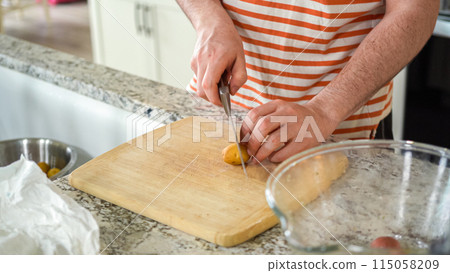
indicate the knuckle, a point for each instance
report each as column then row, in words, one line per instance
column 253, row 114
column 252, row 143
column 263, row 153
column 201, row 94
column 193, row 65
column 245, row 127
column 242, row 78
column 196, row 54
column 205, row 85
column 264, row 124
column 280, row 103
column 259, row 157
column 290, row 111
column 242, row 75
column 274, row 140
column 245, row 137
column 199, row 54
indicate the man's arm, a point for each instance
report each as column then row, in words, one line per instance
column 398, row 37
column 218, row 48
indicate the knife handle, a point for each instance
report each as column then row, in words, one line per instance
column 224, row 79
column 224, row 93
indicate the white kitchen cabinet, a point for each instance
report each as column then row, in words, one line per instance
column 398, row 104
column 148, row 38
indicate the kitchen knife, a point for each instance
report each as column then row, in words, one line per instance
column 224, row 94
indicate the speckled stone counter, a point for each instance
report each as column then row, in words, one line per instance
column 122, row 231
column 125, row 232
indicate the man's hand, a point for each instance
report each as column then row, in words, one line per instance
column 218, row 48
column 280, row 129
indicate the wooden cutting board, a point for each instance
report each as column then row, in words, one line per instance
column 179, row 179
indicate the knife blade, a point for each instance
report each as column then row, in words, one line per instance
column 224, row 94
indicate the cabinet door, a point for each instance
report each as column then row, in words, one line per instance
column 175, row 41
column 121, row 37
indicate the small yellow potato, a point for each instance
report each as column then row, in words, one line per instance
column 44, row 166
column 231, row 154
column 52, row 172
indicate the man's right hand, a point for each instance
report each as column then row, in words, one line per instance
column 218, row 48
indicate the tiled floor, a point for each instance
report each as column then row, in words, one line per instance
column 68, row 30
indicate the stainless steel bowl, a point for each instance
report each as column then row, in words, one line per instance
column 56, row 154
column 338, row 198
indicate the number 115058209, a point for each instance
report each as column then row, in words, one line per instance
column 404, row 264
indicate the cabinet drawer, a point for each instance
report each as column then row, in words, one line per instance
column 148, row 38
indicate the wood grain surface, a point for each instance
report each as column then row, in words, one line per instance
column 176, row 175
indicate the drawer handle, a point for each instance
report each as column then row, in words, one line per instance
column 137, row 18
column 147, row 26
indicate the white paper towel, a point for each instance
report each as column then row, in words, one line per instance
column 36, row 219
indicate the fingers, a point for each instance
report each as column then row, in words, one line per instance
column 210, row 77
column 239, row 75
column 252, row 118
column 289, row 150
column 211, row 59
column 210, row 80
column 277, row 130
column 269, row 146
column 276, row 141
column 264, row 126
column 199, row 74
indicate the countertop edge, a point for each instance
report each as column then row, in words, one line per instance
column 117, row 88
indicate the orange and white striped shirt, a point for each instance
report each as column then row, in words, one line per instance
column 294, row 48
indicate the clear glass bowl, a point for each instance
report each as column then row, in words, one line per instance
column 338, row 198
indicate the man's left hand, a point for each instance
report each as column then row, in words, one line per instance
column 280, row 129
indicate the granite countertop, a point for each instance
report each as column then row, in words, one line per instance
column 122, row 231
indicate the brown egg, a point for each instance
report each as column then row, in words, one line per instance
column 44, row 166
